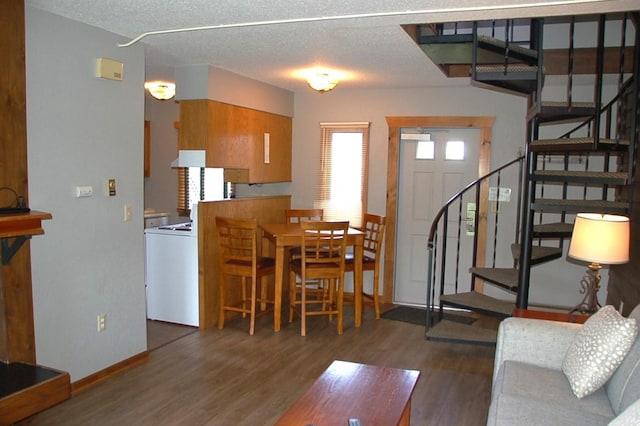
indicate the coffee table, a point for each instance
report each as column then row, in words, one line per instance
column 348, row 390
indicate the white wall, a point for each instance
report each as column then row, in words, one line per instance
column 81, row 131
column 161, row 187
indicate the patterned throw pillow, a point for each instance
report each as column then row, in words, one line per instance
column 597, row 350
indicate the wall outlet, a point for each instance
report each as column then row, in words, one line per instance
column 102, row 322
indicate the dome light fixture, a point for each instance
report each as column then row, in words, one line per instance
column 161, row 90
column 322, row 81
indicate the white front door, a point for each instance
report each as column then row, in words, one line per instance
column 425, row 184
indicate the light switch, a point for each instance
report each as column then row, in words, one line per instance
column 111, row 188
column 84, row 191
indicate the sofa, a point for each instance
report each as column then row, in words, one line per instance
column 531, row 384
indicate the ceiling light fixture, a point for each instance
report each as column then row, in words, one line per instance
column 322, row 81
column 161, row 90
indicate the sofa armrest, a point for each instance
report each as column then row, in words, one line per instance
column 538, row 342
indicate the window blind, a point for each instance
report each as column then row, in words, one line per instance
column 343, row 174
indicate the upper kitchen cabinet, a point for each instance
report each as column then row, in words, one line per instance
column 256, row 142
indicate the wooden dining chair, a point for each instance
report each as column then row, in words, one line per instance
column 297, row 216
column 238, row 257
column 373, row 228
column 324, row 247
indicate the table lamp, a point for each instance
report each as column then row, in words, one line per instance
column 598, row 239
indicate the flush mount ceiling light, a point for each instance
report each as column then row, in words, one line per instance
column 161, row 90
column 322, row 81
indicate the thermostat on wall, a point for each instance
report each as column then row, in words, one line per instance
column 109, row 69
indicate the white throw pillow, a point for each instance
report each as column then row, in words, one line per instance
column 597, row 350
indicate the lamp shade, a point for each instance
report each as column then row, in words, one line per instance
column 322, row 82
column 600, row 238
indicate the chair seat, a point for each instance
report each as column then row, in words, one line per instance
column 350, row 259
column 261, row 262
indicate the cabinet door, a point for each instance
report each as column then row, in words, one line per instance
column 278, row 167
column 194, row 120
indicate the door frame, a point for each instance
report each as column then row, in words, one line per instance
column 485, row 125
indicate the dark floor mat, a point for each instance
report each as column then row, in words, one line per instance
column 417, row 316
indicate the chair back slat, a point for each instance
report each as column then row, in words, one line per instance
column 374, row 232
column 237, row 240
column 324, row 242
column 299, row 215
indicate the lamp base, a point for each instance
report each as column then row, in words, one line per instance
column 590, row 287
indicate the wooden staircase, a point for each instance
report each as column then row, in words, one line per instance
column 589, row 169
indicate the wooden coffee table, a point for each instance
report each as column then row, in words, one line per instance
column 550, row 316
column 348, row 390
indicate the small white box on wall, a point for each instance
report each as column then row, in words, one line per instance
column 109, row 69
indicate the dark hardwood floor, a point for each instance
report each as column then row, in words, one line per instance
column 160, row 333
column 226, row 377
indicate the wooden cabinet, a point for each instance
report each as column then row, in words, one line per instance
column 234, row 138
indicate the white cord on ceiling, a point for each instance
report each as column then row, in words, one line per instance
column 362, row 15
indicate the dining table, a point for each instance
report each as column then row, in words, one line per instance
column 285, row 235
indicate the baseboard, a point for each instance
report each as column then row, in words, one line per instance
column 102, row 375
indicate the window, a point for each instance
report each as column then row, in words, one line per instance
column 190, row 188
column 454, row 150
column 344, row 158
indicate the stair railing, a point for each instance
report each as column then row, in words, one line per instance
column 438, row 265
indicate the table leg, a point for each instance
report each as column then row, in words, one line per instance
column 357, row 282
column 405, row 420
column 277, row 305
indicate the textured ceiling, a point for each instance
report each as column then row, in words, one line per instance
column 361, row 38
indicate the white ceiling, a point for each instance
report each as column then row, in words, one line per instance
column 361, row 38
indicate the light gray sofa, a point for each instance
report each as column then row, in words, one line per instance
column 529, row 387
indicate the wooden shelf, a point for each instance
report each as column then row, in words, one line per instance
column 22, row 224
column 20, row 227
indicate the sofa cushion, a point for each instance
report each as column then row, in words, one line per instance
column 623, row 388
column 510, row 410
column 548, row 386
column 629, row 417
column 598, row 349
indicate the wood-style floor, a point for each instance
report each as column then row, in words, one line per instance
column 226, row 377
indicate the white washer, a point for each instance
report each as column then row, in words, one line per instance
column 171, row 274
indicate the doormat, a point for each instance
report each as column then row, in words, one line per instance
column 416, row 316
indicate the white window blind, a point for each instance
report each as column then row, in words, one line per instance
column 344, row 159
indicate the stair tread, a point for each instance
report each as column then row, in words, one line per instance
column 556, row 229
column 449, row 49
column 565, row 104
column 579, row 173
column 595, row 206
column 455, row 332
column 553, row 111
column 506, row 278
column 539, row 254
column 479, row 302
column 581, row 176
column 511, row 68
column 573, row 144
column 514, row 48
